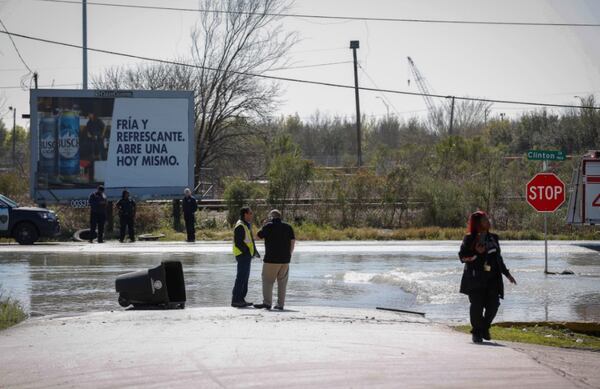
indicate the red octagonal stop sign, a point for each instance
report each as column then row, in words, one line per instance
column 545, row 192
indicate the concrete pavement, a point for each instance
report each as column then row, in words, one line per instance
column 230, row 348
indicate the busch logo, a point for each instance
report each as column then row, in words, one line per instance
column 68, row 145
column 47, row 146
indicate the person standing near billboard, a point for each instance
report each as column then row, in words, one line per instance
column 126, row 207
column 190, row 206
column 98, row 205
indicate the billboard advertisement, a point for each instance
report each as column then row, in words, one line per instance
column 142, row 141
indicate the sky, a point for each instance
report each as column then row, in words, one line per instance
column 541, row 64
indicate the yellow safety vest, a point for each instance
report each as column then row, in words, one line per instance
column 247, row 239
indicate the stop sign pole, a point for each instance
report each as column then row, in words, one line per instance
column 545, row 193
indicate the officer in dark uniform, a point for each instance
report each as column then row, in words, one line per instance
column 98, row 205
column 190, row 206
column 126, row 207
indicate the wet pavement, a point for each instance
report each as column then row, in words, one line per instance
column 417, row 275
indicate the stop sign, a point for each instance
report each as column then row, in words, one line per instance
column 545, row 192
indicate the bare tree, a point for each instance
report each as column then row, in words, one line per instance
column 469, row 117
column 233, row 41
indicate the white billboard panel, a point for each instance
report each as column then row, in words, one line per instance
column 142, row 141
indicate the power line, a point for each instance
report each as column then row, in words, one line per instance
column 41, row 86
column 332, row 17
column 15, row 46
column 309, row 66
column 297, row 80
column 383, row 96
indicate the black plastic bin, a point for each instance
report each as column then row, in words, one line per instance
column 161, row 287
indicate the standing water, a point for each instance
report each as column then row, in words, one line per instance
column 415, row 275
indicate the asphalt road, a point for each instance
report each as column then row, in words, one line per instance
column 299, row 348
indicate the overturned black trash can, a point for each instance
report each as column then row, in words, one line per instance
column 159, row 287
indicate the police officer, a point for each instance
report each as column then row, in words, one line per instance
column 190, row 206
column 126, row 207
column 98, row 204
column 244, row 250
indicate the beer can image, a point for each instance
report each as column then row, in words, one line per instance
column 47, row 145
column 68, row 143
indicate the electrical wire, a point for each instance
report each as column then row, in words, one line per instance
column 296, row 80
column 331, row 17
column 15, row 46
column 381, row 95
column 309, row 66
column 40, row 86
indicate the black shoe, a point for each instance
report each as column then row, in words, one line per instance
column 262, row 306
column 91, row 240
column 121, row 240
column 476, row 338
column 278, row 307
column 248, row 304
column 486, row 335
column 100, row 241
column 239, row 305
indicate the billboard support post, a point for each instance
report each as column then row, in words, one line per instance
column 110, row 219
column 84, row 45
column 177, row 215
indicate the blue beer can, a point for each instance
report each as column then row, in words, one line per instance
column 47, row 145
column 68, row 143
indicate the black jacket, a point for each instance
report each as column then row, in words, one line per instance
column 190, row 205
column 474, row 277
column 98, row 202
column 278, row 238
column 126, row 207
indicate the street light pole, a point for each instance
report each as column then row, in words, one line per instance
column 387, row 107
column 451, row 128
column 14, row 136
column 355, row 45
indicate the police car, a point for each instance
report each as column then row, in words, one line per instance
column 26, row 224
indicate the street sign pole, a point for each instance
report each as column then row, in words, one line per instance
column 544, row 167
column 545, row 191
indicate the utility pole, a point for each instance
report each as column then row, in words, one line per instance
column 35, row 80
column 84, row 45
column 14, row 137
column 450, row 130
column 355, row 45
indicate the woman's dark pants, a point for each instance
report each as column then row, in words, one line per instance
column 240, row 289
column 483, row 300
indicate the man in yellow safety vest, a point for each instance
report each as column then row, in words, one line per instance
column 244, row 250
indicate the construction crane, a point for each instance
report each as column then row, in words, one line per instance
column 435, row 115
column 423, row 86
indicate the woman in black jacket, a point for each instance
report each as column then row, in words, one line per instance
column 482, row 275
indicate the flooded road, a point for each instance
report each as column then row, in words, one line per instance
column 416, row 275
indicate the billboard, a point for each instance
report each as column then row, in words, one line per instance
column 142, row 141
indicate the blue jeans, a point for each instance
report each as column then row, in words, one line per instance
column 240, row 288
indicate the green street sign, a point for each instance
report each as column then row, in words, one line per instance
column 545, row 155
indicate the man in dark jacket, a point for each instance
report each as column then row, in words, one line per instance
column 126, row 207
column 190, row 206
column 279, row 245
column 98, row 205
column 244, row 250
